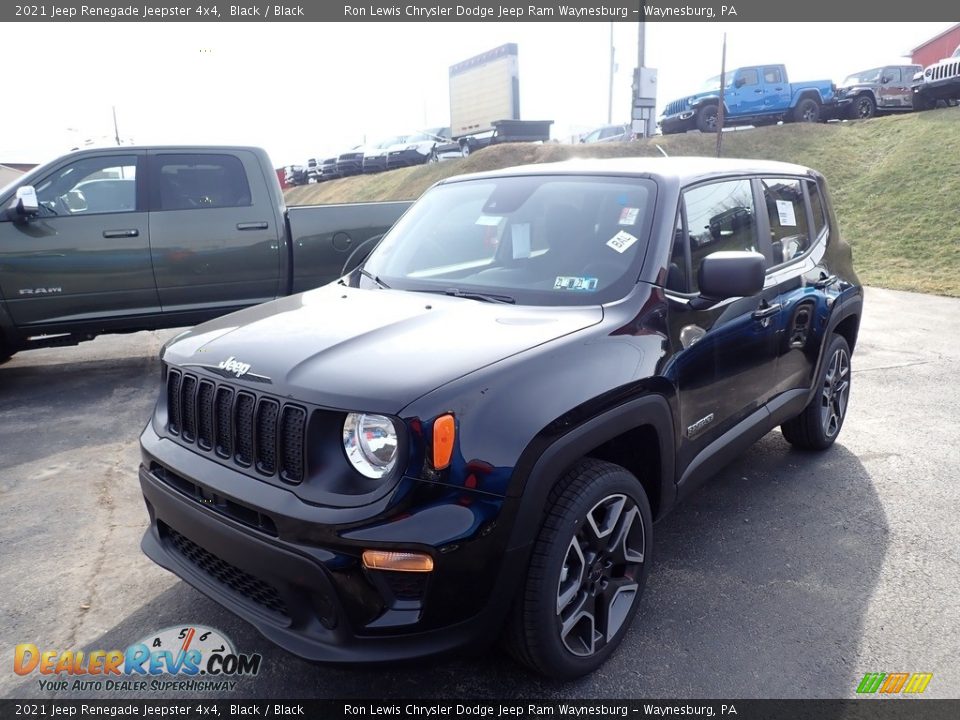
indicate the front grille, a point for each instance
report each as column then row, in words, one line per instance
column 249, row 430
column 677, row 106
column 947, row 70
column 238, row 581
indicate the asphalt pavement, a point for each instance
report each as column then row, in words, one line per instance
column 788, row 575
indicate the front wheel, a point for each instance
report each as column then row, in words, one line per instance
column 587, row 571
column 862, row 108
column 819, row 424
column 707, row 119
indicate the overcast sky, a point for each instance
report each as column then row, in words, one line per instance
column 313, row 89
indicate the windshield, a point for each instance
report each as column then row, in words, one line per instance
column 867, row 76
column 714, row 82
column 956, row 53
column 537, row 240
column 420, row 137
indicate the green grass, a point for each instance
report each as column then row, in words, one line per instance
column 895, row 184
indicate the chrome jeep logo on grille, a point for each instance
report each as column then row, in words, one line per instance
column 232, row 365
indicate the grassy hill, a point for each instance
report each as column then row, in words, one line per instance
column 895, row 183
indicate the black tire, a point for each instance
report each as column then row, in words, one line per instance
column 819, row 424
column 706, row 119
column 432, row 158
column 5, row 352
column 807, row 110
column 465, row 149
column 922, row 102
column 863, row 107
column 598, row 526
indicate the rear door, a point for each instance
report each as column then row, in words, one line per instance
column 776, row 90
column 895, row 89
column 213, row 233
column 86, row 255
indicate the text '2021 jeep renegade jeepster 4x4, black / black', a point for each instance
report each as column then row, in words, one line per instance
column 475, row 430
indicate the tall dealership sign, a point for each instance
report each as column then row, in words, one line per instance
column 483, row 89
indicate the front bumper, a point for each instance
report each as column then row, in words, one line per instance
column 943, row 89
column 405, row 158
column 679, row 122
column 374, row 164
column 293, row 570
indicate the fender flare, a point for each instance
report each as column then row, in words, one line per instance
column 852, row 305
column 535, row 484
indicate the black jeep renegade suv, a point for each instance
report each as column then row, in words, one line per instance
column 474, row 431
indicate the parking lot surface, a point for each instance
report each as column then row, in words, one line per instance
column 788, row 575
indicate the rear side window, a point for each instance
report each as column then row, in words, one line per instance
column 786, row 209
column 816, row 205
column 198, row 181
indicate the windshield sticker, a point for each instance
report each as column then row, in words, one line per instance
column 520, row 235
column 628, row 216
column 575, row 283
column 785, row 211
column 492, row 220
column 621, row 242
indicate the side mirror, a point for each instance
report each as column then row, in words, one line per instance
column 727, row 274
column 740, row 82
column 25, row 204
column 884, row 80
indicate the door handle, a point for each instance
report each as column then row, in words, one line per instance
column 132, row 232
column 758, row 90
column 825, row 282
column 252, row 226
column 766, row 311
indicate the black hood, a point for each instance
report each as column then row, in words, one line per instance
column 365, row 349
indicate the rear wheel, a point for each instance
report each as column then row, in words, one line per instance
column 807, row 110
column 587, row 571
column 819, row 424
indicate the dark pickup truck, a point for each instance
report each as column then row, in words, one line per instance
column 137, row 238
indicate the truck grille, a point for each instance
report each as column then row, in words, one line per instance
column 946, row 70
column 237, row 425
column 677, row 106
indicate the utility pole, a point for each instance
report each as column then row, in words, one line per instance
column 723, row 82
column 610, row 91
column 644, row 89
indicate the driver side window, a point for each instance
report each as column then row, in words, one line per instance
column 92, row 185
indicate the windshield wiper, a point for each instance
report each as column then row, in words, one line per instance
column 471, row 295
column 380, row 283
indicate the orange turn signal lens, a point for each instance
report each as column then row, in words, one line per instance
column 397, row 561
column 444, row 433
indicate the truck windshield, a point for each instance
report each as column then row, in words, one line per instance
column 536, row 240
column 867, row 76
column 714, row 82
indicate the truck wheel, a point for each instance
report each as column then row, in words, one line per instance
column 464, row 149
column 862, row 108
column 707, row 119
column 819, row 424
column 807, row 110
column 586, row 574
column 922, row 102
column 432, row 157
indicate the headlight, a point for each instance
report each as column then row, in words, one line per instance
column 370, row 442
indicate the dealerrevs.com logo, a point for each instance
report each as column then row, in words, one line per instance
column 185, row 659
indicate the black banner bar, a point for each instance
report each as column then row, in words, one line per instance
column 474, row 11
column 185, row 709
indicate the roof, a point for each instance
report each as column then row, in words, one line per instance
column 935, row 38
column 682, row 169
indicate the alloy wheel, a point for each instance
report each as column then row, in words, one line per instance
column 836, row 392
column 599, row 578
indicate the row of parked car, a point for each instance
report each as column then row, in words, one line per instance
column 763, row 95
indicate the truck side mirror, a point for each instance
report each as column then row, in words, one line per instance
column 726, row 274
column 25, row 204
column 740, row 82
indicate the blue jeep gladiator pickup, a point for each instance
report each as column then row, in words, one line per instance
column 756, row 95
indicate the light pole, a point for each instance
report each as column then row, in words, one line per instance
column 612, row 68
